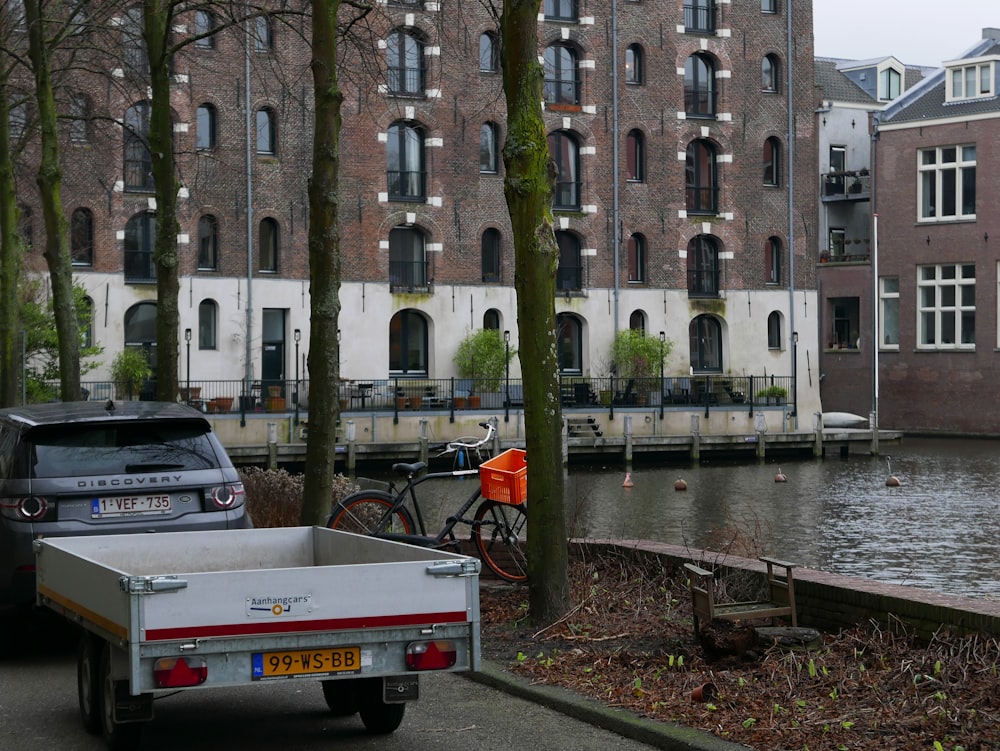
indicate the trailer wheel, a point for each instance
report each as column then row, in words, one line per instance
column 88, row 682
column 120, row 736
column 379, row 717
column 341, row 697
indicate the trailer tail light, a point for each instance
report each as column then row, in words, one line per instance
column 30, row 508
column 431, row 655
column 178, row 672
column 227, row 496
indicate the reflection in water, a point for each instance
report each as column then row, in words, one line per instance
column 939, row 530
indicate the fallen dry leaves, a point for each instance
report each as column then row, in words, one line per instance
column 628, row 641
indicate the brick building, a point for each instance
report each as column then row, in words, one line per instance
column 696, row 221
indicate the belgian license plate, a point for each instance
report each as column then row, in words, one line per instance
column 327, row 661
column 130, row 505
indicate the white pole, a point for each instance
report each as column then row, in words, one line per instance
column 877, row 328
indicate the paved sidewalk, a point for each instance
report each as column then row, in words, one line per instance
column 662, row 735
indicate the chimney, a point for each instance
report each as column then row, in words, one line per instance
column 990, row 33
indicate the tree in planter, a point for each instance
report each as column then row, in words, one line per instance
column 482, row 358
column 129, row 370
column 638, row 358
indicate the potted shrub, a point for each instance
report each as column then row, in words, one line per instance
column 773, row 395
column 129, row 371
column 638, row 359
column 481, row 358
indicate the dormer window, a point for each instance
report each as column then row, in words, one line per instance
column 889, row 82
column 974, row 81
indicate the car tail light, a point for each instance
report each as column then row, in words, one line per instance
column 431, row 655
column 31, row 508
column 177, row 672
column 227, row 496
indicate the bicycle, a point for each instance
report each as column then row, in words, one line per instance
column 498, row 529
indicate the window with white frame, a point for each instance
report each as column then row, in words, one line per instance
column 888, row 319
column 970, row 82
column 889, row 83
column 946, row 306
column 947, row 183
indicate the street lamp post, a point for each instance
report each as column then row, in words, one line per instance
column 297, row 335
column 506, row 398
column 663, row 340
column 187, row 340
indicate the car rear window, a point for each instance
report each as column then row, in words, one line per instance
column 120, row 449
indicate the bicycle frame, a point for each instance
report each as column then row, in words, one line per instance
column 408, row 492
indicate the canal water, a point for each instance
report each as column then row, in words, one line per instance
column 940, row 529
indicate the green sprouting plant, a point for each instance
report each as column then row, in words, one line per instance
column 812, row 668
column 834, row 694
column 521, row 657
column 749, row 722
column 847, row 724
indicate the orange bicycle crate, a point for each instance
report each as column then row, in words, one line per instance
column 504, row 478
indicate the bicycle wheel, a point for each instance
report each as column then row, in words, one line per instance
column 500, row 532
column 371, row 513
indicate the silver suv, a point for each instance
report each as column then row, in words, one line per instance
column 82, row 468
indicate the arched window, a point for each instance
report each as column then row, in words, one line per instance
column 134, row 56
column 636, row 259
column 405, row 63
column 204, row 27
column 491, row 320
column 489, row 149
column 703, row 267
column 569, row 274
column 774, row 330
column 491, row 256
column 569, row 344
column 205, row 137
column 208, row 243
column 633, row 64
column 405, row 162
column 772, row 161
column 635, row 156
column 81, row 237
column 770, row 72
column 140, row 239
column 699, row 86
column 562, row 84
column 263, row 34
column 637, row 321
column 700, row 178
column 489, row 56
column 565, row 153
column 408, row 343
column 407, row 260
column 138, row 166
column 706, row 344
column 208, row 314
column 268, row 245
column 140, row 330
column 772, row 260
column 267, row 133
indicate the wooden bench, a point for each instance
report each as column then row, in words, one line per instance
column 780, row 602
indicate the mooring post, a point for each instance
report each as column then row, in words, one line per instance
column 628, row 440
column 272, row 445
column 352, row 453
column 695, row 438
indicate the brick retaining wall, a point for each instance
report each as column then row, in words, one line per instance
column 831, row 602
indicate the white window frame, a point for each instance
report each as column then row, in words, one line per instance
column 936, row 167
column 947, row 282
column 979, row 76
column 888, row 298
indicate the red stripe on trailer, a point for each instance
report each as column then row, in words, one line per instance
column 296, row 627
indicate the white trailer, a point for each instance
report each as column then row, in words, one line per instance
column 193, row 610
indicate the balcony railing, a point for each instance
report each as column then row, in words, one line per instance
column 702, row 200
column 139, row 266
column 409, row 276
column 562, row 91
column 566, row 196
column 569, row 278
column 406, row 186
column 847, row 186
column 703, row 282
column 699, row 17
column 405, row 80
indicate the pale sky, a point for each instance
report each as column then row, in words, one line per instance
column 916, row 32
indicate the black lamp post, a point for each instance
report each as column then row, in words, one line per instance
column 663, row 340
column 297, row 335
column 506, row 399
column 187, row 340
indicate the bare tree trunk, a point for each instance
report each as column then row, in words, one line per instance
column 324, row 267
column 49, row 178
column 158, row 19
column 528, row 188
column 10, row 258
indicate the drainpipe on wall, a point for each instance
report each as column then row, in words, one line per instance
column 791, row 215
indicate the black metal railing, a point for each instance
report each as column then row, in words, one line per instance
column 847, row 186
column 406, row 185
column 406, row 80
column 699, row 16
column 562, row 91
column 566, row 196
column 700, row 102
column 409, row 276
column 703, row 282
column 702, row 199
